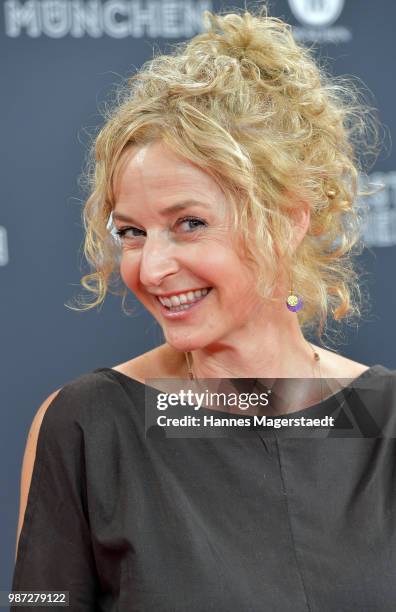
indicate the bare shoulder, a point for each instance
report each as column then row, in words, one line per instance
column 160, row 362
column 29, row 459
column 337, row 366
column 134, row 368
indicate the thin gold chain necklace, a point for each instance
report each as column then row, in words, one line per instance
column 316, row 360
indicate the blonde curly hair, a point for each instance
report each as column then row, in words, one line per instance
column 251, row 107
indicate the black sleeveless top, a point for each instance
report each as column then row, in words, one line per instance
column 263, row 521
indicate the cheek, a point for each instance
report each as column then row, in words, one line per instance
column 244, row 277
column 129, row 272
column 228, row 271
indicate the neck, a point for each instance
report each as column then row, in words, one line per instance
column 281, row 355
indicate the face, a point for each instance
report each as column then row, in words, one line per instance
column 169, row 252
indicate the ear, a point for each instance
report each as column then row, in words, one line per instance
column 301, row 218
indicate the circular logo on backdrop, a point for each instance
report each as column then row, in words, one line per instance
column 316, row 12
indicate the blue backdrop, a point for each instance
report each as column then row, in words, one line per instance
column 59, row 62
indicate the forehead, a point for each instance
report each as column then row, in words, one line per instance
column 155, row 170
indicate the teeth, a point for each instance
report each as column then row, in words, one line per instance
column 183, row 298
column 181, row 307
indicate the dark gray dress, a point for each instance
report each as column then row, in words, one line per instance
column 260, row 522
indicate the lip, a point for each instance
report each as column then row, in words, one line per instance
column 182, row 314
column 179, row 292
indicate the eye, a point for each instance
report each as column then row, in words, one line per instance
column 121, row 232
column 197, row 224
column 192, row 220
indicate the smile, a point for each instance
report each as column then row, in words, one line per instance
column 182, row 299
column 179, row 306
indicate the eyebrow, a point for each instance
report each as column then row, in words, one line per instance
column 169, row 209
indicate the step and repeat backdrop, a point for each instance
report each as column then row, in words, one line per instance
column 60, row 61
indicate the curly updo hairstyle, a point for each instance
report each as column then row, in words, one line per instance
column 250, row 106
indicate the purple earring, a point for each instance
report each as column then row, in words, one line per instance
column 294, row 302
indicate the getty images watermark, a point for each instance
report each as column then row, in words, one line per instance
column 233, row 407
column 217, row 401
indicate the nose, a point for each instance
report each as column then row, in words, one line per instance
column 158, row 261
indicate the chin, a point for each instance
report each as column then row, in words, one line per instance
column 182, row 343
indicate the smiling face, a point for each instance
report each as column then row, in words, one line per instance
column 181, row 250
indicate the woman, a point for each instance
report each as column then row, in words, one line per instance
column 223, row 189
